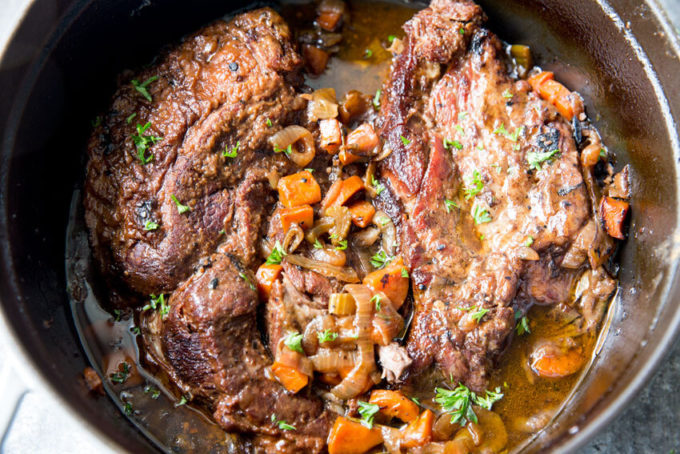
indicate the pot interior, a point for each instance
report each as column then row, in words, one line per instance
column 62, row 65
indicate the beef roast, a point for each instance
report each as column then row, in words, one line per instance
column 466, row 143
column 226, row 88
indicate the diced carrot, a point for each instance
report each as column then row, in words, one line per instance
column 340, row 194
column 346, row 158
column 555, row 362
column 362, row 140
column 298, row 189
column 302, row 215
column 362, row 213
column 613, row 212
column 291, row 378
column 537, row 79
column 330, row 135
column 266, row 276
column 391, row 280
column 349, row 437
column 315, row 59
column 394, row 404
column 418, row 432
column 328, row 20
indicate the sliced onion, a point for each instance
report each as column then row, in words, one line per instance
column 366, row 237
column 330, row 255
column 331, row 360
column 344, row 274
column 368, row 180
column 526, row 253
column 322, row 104
column 291, row 135
column 342, row 222
column 388, row 231
column 293, row 238
column 321, row 226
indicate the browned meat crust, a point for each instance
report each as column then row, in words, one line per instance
column 450, row 82
column 217, row 90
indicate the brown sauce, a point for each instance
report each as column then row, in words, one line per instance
column 160, row 414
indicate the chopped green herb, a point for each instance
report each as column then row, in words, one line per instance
column 378, row 186
column 501, row 130
column 367, row 412
column 129, row 119
column 97, row 121
column 391, row 38
column 460, row 130
column 276, row 255
column 383, row 220
column 462, row 116
column 452, row 143
column 461, row 30
column 310, row 170
column 376, row 99
column 404, row 273
column 404, row 140
column 478, row 314
column 473, row 185
column 136, row 331
column 480, row 215
column 116, row 315
column 449, row 204
column 181, row 209
column 143, row 142
column 603, row 153
column 222, row 232
column 141, row 88
column 368, row 53
column 507, row 94
column 342, row 245
column 529, row 241
column 327, row 336
column 157, row 302
column 120, row 376
column 380, row 259
column 154, row 392
column 416, row 400
column 458, row 402
column 234, row 151
column 377, row 301
column 522, row 326
column 537, row 158
column 150, row 225
column 243, row 276
column 269, row 122
column 515, row 135
column 283, row 425
column 490, row 398
column 317, row 244
column 182, row 401
column 294, row 341
column 127, row 409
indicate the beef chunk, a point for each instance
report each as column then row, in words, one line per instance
column 197, row 103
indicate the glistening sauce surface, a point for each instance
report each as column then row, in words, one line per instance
column 361, row 64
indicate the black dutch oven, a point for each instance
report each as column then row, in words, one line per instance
column 59, row 69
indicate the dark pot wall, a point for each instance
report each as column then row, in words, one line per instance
column 55, row 78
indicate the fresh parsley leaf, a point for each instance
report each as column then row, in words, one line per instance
column 182, row 401
column 141, row 87
column 327, row 336
column 416, row 400
column 461, row 30
column 317, row 244
column 136, row 331
column 452, row 143
column 116, row 314
column 154, row 392
column 478, row 314
column 294, row 341
column 473, row 184
column 368, row 53
column 143, row 142
column 529, row 241
column 458, row 402
column 150, row 225
column 391, row 38
column 603, row 153
column 515, row 136
column 283, row 425
column 307, row 169
column 181, row 209
column 276, row 255
column 537, row 158
column 404, row 140
column 507, row 94
column 243, row 276
column 522, row 326
column 501, row 130
column 380, row 259
column 376, row 99
column 127, row 409
column 460, row 130
column 480, row 215
column 377, row 301
column 121, row 376
column 342, row 245
column 97, row 121
column 157, row 302
column 404, row 273
column 129, row 119
column 367, row 412
column 450, row 203
column 234, row 151
column 269, row 122
column 378, row 186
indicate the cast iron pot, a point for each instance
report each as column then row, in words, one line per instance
column 59, row 70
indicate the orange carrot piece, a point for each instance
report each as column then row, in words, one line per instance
column 340, row 194
column 392, row 280
column 553, row 92
column 613, row 212
column 537, row 79
column 291, row 378
column 362, row 213
column 328, row 20
column 302, row 215
column 554, row 362
column 362, row 140
column 315, row 59
column 418, row 432
column 330, row 135
column 346, row 158
column 394, row 404
column 265, row 277
column 298, row 189
column 349, row 437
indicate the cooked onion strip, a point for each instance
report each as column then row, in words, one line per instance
column 321, row 226
column 330, row 360
column 388, row 231
column 322, row 104
column 288, row 137
column 293, row 238
column 344, row 274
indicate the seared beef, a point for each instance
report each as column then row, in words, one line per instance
column 212, row 343
column 217, row 91
column 449, row 86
